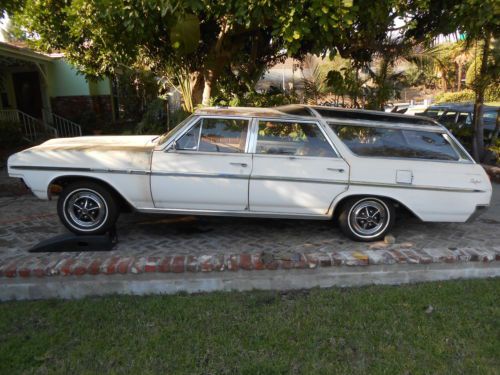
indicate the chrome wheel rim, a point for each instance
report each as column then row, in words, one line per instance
column 86, row 209
column 369, row 217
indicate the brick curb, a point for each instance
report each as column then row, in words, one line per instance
column 67, row 264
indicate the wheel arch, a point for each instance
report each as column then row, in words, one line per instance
column 337, row 204
column 63, row 180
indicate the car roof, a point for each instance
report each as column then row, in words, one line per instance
column 363, row 114
column 241, row 111
column 339, row 115
column 325, row 112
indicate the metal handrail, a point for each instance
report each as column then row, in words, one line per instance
column 33, row 129
column 64, row 127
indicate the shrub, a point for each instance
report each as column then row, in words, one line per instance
column 10, row 134
column 492, row 94
column 459, row 96
column 155, row 119
column 271, row 98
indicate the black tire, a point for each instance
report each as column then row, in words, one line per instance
column 86, row 207
column 360, row 221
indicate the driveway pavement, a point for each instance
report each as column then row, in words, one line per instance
column 168, row 254
column 25, row 220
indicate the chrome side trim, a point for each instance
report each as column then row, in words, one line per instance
column 416, row 187
column 300, row 179
column 246, row 177
column 202, row 175
column 75, row 169
column 246, row 213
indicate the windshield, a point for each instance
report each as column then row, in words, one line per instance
column 166, row 136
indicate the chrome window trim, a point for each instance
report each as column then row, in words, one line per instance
column 252, row 146
column 443, row 132
column 166, row 146
column 193, row 122
column 456, row 143
column 314, row 121
column 438, row 128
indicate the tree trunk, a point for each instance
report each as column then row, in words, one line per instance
column 480, row 88
column 197, row 82
column 207, row 89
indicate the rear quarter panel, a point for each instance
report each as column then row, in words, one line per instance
column 439, row 191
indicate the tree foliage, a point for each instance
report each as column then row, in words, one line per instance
column 195, row 44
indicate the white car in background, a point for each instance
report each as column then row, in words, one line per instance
column 287, row 162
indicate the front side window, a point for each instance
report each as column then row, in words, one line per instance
column 168, row 135
column 292, row 138
column 401, row 143
column 215, row 135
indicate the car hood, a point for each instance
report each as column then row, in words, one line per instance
column 114, row 153
column 101, row 143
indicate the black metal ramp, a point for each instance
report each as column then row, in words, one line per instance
column 70, row 242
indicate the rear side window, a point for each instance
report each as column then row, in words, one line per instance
column 215, row 135
column 400, row 143
column 292, row 138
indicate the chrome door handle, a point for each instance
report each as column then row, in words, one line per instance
column 340, row 170
column 240, row 164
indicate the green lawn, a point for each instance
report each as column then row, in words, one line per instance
column 376, row 330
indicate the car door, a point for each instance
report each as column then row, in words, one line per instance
column 207, row 169
column 295, row 168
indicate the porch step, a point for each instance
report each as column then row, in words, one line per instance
column 35, row 130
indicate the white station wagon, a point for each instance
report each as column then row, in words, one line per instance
column 294, row 161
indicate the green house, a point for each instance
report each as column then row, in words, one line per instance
column 46, row 94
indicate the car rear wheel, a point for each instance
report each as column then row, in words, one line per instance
column 87, row 208
column 366, row 218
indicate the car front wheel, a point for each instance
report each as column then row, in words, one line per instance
column 366, row 218
column 87, row 208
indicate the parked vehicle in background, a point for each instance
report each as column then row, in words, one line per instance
column 406, row 108
column 458, row 117
column 295, row 161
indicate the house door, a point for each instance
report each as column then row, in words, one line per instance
column 28, row 94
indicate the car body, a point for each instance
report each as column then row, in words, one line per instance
column 291, row 162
